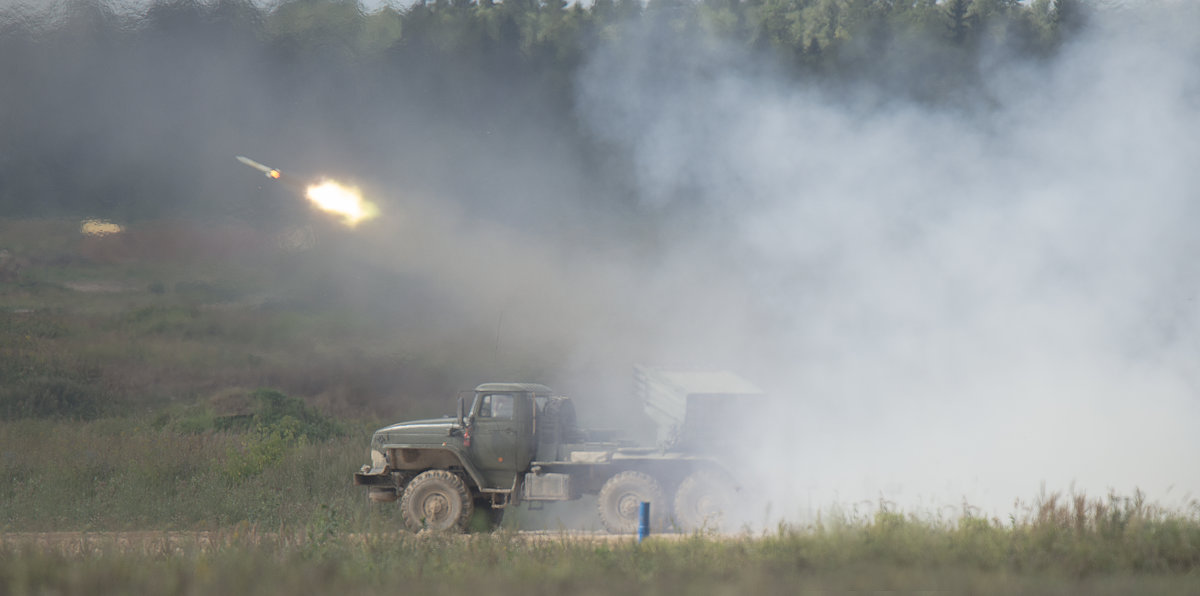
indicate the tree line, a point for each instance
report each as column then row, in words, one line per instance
column 552, row 33
column 116, row 112
column 807, row 34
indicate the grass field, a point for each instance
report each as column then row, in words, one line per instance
column 167, row 314
column 130, row 406
column 1120, row 547
column 241, row 511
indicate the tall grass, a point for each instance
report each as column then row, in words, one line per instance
column 887, row 553
column 114, row 474
column 295, row 524
column 1077, row 535
column 254, row 509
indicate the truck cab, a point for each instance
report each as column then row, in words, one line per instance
column 490, row 441
column 500, row 429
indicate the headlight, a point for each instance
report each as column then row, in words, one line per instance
column 378, row 459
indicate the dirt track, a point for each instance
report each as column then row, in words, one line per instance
column 166, row 542
column 139, row 541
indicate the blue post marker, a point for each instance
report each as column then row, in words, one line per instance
column 643, row 521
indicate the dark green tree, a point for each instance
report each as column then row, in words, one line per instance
column 957, row 23
column 1067, row 18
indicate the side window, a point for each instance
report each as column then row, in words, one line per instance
column 497, row 405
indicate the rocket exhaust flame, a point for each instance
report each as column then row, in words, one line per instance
column 345, row 201
column 327, row 195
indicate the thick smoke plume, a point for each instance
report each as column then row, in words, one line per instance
column 963, row 304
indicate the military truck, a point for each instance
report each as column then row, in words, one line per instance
column 510, row 443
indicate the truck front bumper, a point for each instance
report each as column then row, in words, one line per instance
column 369, row 476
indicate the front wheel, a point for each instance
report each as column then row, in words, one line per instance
column 621, row 497
column 436, row 500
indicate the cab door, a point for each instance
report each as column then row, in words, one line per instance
column 495, row 437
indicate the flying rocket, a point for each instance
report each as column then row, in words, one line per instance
column 345, row 201
column 266, row 170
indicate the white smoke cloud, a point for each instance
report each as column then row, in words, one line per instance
column 956, row 303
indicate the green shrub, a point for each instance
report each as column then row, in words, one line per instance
column 274, row 407
column 263, row 448
column 263, row 410
column 279, row 424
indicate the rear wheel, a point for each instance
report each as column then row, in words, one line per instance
column 436, row 500
column 704, row 501
column 621, row 497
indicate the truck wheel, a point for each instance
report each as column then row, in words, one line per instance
column 703, row 501
column 436, row 500
column 620, row 499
